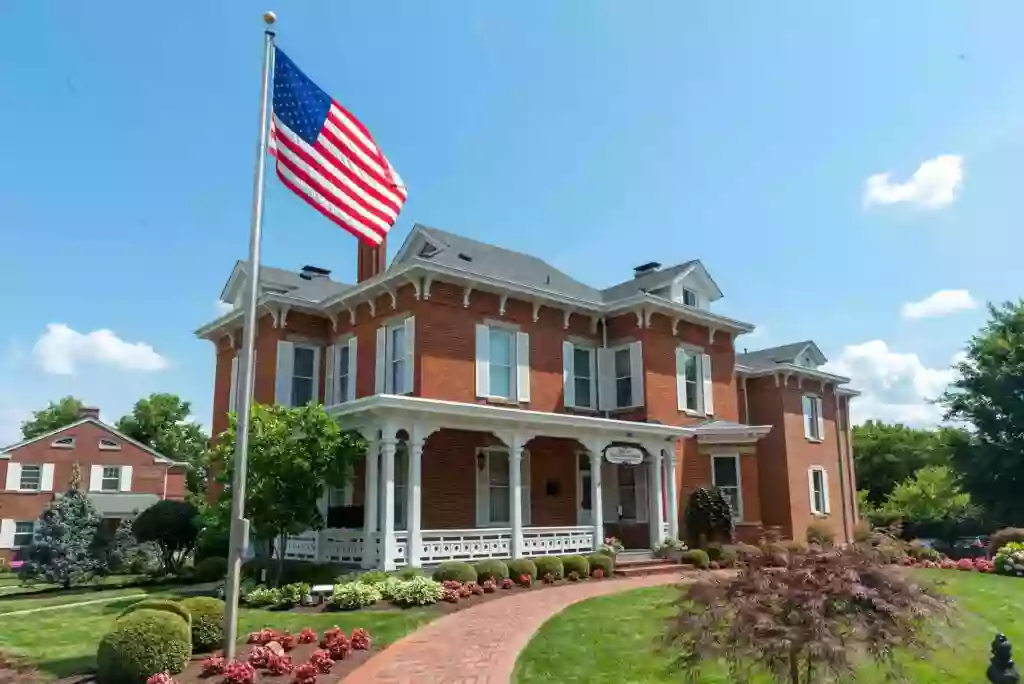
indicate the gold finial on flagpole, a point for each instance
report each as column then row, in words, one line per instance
column 269, row 18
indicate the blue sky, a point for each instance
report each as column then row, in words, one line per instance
column 598, row 135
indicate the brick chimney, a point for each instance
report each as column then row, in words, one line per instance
column 371, row 260
column 89, row 412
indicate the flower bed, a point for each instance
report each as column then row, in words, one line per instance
column 962, row 565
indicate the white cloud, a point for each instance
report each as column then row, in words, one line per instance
column 935, row 184
column 939, row 303
column 895, row 387
column 222, row 307
column 60, row 348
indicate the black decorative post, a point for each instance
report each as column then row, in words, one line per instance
column 1002, row 670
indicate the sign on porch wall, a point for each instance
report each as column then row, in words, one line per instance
column 624, row 454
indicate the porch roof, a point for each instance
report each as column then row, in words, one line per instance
column 488, row 417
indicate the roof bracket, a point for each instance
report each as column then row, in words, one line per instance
column 466, row 291
column 647, row 317
column 566, row 315
column 776, row 376
column 416, row 286
column 351, row 315
column 334, row 321
column 593, row 324
column 711, row 335
column 231, row 338
column 502, row 301
column 536, row 311
column 639, row 317
column 427, row 282
column 372, row 301
column 394, row 297
column 675, row 325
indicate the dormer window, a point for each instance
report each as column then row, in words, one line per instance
column 427, row 250
column 63, row 443
column 109, row 445
column 689, row 297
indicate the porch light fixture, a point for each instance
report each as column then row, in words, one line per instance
column 480, row 460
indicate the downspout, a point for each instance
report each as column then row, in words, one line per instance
column 842, row 468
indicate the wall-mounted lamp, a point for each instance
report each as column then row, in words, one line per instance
column 480, row 460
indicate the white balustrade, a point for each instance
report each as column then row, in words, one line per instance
column 401, row 543
column 343, row 546
column 443, row 545
column 557, row 541
column 300, row 546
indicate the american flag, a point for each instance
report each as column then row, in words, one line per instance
column 329, row 159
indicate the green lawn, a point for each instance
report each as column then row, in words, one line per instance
column 63, row 642
column 617, row 638
column 12, row 587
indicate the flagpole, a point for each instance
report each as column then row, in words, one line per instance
column 239, row 524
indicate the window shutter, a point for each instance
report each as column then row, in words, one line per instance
column 316, row 374
column 681, row 355
column 483, row 361
column 592, row 361
column 382, row 361
column 705, row 369
column 352, row 365
column 606, row 379
column 96, row 478
column 523, row 366
column 807, row 417
column 126, row 478
column 824, row 490
column 7, row 533
column 410, row 353
column 810, row 488
column 13, row 477
column 636, row 371
column 329, row 375
column 233, row 391
column 821, row 419
column 284, row 373
column 568, row 375
column 47, row 484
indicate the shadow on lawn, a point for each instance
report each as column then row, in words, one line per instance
column 76, row 666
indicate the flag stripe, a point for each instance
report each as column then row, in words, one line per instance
column 326, row 208
column 326, row 146
column 340, row 176
column 351, row 148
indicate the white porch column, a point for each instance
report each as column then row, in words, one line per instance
column 673, row 493
column 387, row 531
column 515, row 492
column 370, row 490
column 595, row 447
column 413, row 504
column 654, row 495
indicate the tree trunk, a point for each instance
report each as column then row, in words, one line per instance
column 283, row 537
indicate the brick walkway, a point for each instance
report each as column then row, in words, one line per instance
column 480, row 645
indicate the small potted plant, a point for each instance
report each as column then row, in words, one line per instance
column 611, row 547
column 670, row 549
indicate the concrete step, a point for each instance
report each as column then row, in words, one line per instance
column 641, row 569
column 621, row 562
column 629, row 556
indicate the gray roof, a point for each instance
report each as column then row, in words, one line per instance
column 766, row 358
column 645, row 283
column 497, row 262
column 290, row 283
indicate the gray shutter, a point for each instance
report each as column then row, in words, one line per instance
column 568, row 374
column 821, row 418
column 523, row 366
column 233, row 390
column 316, row 374
column 285, row 373
column 636, row 371
column 329, row 375
column 382, row 361
column 410, row 353
column 606, row 379
column 708, row 396
column 352, row 365
column 483, row 361
column 681, row 355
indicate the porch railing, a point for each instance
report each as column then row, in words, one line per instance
column 557, row 541
column 475, row 544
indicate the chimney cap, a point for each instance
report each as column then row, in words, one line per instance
column 644, row 269
column 89, row 412
column 309, row 272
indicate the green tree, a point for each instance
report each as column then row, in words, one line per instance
column 173, row 526
column 294, row 454
column 161, row 422
column 55, row 416
column 931, row 503
column 989, row 394
column 885, row 454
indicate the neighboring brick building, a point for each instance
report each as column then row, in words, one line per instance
column 490, row 384
column 121, row 476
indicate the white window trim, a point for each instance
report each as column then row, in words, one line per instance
column 817, row 419
column 385, row 356
column 483, row 489
column 824, row 490
column 519, row 383
column 569, row 374
column 104, row 477
column 109, row 445
column 608, row 378
column 21, row 476
column 14, row 534
column 316, row 371
column 63, row 443
column 739, row 479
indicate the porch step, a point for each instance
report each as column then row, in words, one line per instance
column 653, row 567
column 631, row 556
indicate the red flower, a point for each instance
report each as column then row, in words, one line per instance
column 360, row 639
column 214, row 665
column 239, row 673
column 305, row 674
column 322, row 661
column 307, row 636
column 279, row 664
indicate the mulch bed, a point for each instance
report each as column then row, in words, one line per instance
column 300, row 654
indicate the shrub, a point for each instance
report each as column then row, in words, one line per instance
column 464, row 591
column 321, row 660
column 611, row 547
column 262, row 596
column 360, row 639
column 745, row 553
column 292, row 594
column 354, row 595
column 172, row 607
column 1009, row 559
column 862, row 532
column 455, row 570
column 965, row 564
column 262, row 637
column 211, row 569
column 387, row 588
column 577, row 564
column 714, row 551
column 287, row 641
column 600, row 560
column 1003, row 537
column 307, row 636
column 697, row 558
column 921, row 552
column 408, row 572
column 339, row 647
column 522, row 566
column 450, row 595
column 728, row 556
column 373, row 577
column 214, row 665
column 550, row 565
column 258, row 656
column 239, row 673
column 984, row 565
column 305, row 674
column 818, row 532
column 171, row 525
column 573, row 576
column 507, row 583
column 708, row 517
column 491, row 569
column 525, row 580
column 207, row 621
column 142, row 643
column 478, row 589
column 948, row 564
column 62, row 548
column 419, row 591
column 279, row 664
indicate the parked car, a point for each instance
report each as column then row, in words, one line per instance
column 969, row 547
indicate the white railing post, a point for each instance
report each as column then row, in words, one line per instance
column 656, row 516
column 414, row 545
column 673, row 494
column 596, row 449
column 370, row 506
column 387, row 532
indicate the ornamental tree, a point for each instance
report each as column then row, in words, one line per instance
column 173, row 526
column 708, row 517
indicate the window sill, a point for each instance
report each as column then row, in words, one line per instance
column 693, row 414
column 815, row 440
column 583, row 409
column 502, row 401
column 820, row 516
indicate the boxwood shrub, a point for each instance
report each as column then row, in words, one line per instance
column 698, row 558
column 456, row 571
column 491, row 569
column 577, row 564
column 603, row 561
column 172, row 607
column 141, row 644
column 549, row 564
column 211, row 569
column 207, row 622
column 522, row 566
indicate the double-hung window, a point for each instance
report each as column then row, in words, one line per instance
column 31, row 479
column 814, row 422
column 623, row 378
column 340, row 370
column 579, row 373
column 725, row 475
column 502, row 363
column 298, row 374
column 621, row 372
column 344, row 376
column 303, row 376
column 395, row 357
column 111, row 481
column 689, row 297
column 494, row 485
column 694, row 389
column 817, row 484
column 24, row 533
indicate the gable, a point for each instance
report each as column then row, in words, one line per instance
column 82, row 441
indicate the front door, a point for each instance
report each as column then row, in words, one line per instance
column 584, row 507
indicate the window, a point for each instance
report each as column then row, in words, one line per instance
column 63, row 443
column 818, row 481
column 502, row 363
column 31, row 478
column 109, row 445
column 632, row 492
column 690, row 382
column 497, row 487
column 397, row 360
column 725, row 475
column 24, row 533
column 341, row 369
column 814, row 424
column 303, row 375
column 401, row 486
column 623, row 378
column 689, row 297
column 583, row 381
column 494, row 485
column 694, row 387
column 111, row 481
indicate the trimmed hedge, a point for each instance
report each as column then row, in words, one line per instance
column 455, row 571
column 522, row 566
column 373, row 577
column 211, row 569
column 141, row 644
column 577, row 564
column 549, row 564
column 698, row 558
column 491, row 569
column 160, row 604
column 294, row 571
column 603, row 561
column 207, row 622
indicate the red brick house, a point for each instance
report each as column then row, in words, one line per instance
column 121, row 476
column 514, row 411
